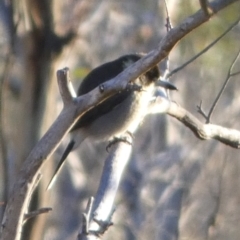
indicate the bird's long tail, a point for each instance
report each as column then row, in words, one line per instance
column 61, row 162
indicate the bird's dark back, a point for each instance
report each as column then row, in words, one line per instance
column 106, row 72
column 102, row 74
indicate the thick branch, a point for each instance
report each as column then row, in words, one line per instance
column 99, row 215
column 20, row 196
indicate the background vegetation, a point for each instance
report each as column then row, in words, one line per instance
column 175, row 186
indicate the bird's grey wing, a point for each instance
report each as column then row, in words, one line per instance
column 103, row 108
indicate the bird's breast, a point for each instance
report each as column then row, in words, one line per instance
column 123, row 117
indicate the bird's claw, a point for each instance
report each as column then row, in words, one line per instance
column 115, row 140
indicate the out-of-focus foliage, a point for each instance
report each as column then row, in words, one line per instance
column 176, row 186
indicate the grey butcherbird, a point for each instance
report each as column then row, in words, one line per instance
column 119, row 113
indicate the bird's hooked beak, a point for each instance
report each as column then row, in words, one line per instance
column 165, row 84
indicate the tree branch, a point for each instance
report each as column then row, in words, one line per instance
column 22, row 190
column 204, row 6
column 32, row 214
column 230, row 137
column 204, row 50
column 100, row 214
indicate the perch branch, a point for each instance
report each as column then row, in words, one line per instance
column 102, row 209
column 36, row 213
column 20, row 196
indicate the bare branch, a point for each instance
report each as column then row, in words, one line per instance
column 89, row 207
column 101, row 211
column 21, row 194
column 168, row 26
column 223, row 87
column 201, row 111
column 32, row 214
column 65, row 87
column 235, row 74
column 230, row 137
column 204, row 50
column 204, row 6
column 86, row 217
column 168, row 22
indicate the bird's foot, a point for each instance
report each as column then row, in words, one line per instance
column 124, row 139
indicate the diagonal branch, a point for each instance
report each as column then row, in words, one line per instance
column 22, row 190
column 204, row 50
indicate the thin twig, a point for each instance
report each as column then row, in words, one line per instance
column 204, row 50
column 85, row 225
column 87, row 216
column 168, row 22
column 165, row 62
column 204, row 6
column 235, row 74
column 223, row 87
column 201, row 111
column 32, row 214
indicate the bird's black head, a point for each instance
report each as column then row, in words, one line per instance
column 150, row 76
column 108, row 71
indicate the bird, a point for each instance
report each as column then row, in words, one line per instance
column 120, row 113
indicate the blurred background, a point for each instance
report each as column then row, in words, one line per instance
column 175, row 185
